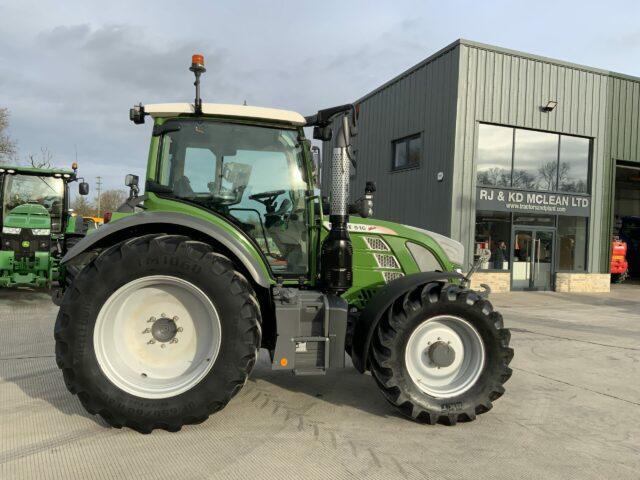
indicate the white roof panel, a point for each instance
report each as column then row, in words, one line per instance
column 240, row 111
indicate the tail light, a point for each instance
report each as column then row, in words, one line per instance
column 107, row 217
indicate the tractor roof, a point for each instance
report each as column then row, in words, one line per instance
column 219, row 109
column 45, row 172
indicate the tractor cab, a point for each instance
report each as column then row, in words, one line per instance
column 253, row 175
column 35, row 221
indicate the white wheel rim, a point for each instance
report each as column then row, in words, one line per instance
column 444, row 356
column 157, row 336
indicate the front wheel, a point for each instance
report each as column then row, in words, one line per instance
column 441, row 354
column 157, row 332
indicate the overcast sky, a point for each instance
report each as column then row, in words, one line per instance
column 69, row 71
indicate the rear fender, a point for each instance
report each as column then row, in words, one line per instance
column 368, row 321
column 170, row 222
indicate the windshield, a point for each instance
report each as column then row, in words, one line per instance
column 47, row 191
column 252, row 175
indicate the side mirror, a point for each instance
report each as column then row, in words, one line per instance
column 131, row 180
column 317, row 166
column 83, row 188
column 322, row 133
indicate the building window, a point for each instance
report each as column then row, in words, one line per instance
column 532, row 160
column 535, row 160
column 407, row 152
column 572, row 243
column 573, row 175
column 493, row 234
column 495, row 151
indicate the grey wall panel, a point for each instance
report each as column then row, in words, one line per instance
column 506, row 88
column 625, row 117
column 422, row 100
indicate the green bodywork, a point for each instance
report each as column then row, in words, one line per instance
column 40, row 267
column 368, row 274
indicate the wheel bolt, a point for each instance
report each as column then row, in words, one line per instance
column 175, row 319
column 146, row 330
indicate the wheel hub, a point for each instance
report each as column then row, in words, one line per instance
column 441, row 354
column 164, row 329
column 445, row 356
column 152, row 355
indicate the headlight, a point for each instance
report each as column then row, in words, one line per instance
column 454, row 250
column 41, row 232
column 11, row 230
column 425, row 260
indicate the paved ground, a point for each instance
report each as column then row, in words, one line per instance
column 571, row 410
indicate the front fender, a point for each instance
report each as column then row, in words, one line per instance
column 165, row 220
column 368, row 321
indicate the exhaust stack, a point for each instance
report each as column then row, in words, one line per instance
column 337, row 252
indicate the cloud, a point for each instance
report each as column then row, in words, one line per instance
column 63, row 36
column 85, row 77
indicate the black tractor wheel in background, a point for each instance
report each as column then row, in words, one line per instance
column 441, row 354
column 157, row 332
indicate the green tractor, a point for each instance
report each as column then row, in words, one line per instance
column 37, row 228
column 165, row 308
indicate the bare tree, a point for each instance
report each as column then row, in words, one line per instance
column 496, row 176
column 110, row 200
column 44, row 160
column 548, row 174
column 524, row 179
column 7, row 145
column 83, row 207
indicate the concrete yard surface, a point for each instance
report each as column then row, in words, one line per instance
column 571, row 410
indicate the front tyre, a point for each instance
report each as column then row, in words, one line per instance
column 441, row 354
column 157, row 332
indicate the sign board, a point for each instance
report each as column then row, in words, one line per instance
column 522, row 201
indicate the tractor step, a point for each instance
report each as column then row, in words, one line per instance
column 311, row 331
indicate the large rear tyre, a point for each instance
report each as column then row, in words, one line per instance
column 441, row 354
column 157, row 332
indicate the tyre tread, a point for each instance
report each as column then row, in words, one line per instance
column 198, row 251
column 381, row 358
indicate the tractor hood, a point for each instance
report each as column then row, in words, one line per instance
column 453, row 250
column 28, row 215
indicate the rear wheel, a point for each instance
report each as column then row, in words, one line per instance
column 441, row 354
column 157, row 332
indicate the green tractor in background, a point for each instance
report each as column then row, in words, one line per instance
column 37, row 228
column 163, row 310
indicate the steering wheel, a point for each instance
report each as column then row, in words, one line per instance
column 266, row 195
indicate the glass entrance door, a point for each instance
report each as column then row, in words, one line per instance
column 532, row 259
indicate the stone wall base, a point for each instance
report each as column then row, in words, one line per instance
column 583, row 282
column 499, row 282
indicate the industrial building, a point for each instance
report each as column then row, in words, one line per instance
column 531, row 159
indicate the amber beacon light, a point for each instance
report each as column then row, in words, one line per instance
column 197, row 67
